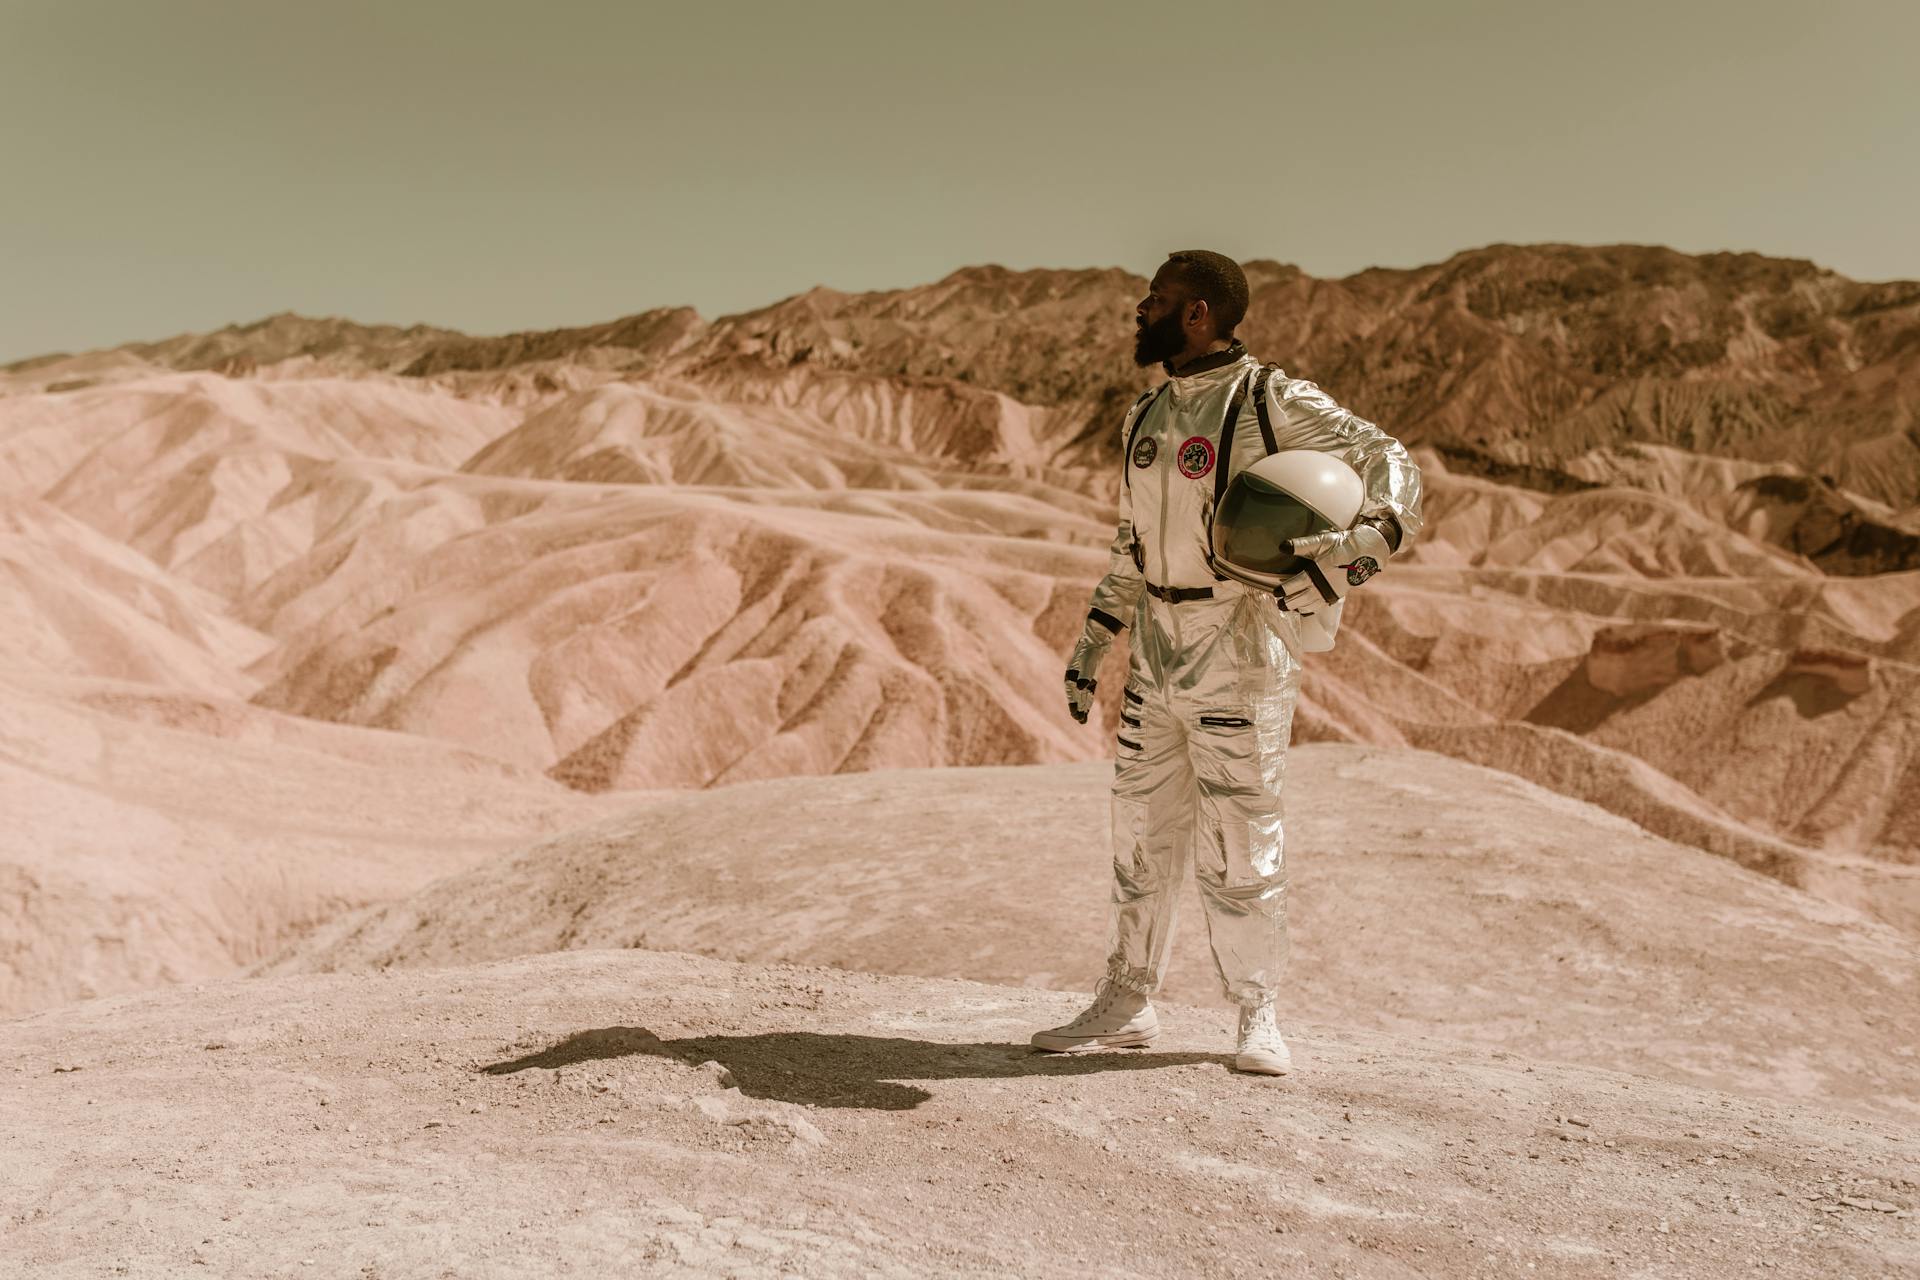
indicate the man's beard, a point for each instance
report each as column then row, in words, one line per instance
column 1159, row 341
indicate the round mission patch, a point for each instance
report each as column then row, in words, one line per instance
column 1196, row 457
column 1144, row 452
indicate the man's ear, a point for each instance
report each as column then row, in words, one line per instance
column 1199, row 314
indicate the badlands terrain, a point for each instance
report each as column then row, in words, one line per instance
column 378, row 665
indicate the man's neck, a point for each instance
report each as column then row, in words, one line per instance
column 1219, row 352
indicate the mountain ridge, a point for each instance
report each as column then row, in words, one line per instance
column 1526, row 355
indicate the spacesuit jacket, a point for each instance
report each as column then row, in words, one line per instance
column 1172, row 440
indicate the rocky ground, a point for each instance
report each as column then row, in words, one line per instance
column 1426, row 896
column 613, row 1112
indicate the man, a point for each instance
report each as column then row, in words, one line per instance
column 1214, row 671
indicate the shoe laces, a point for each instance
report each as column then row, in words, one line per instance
column 1103, row 998
column 1258, row 1026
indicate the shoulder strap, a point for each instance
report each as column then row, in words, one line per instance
column 1260, row 406
column 1140, row 408
column 1223, row 456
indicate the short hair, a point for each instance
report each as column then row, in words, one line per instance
column 1217, row 281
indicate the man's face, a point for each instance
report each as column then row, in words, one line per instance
column 1158, row 331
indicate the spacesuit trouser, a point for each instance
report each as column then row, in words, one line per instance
column 1203, row 738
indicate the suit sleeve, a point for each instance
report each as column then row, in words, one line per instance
column 1117, row 595
column 1305, row 417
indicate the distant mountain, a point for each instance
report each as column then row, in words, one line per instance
column 1514, row 360
column 284, row 336
column 649, row 336
column 1514, row 356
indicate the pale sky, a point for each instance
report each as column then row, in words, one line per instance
column 175, row 165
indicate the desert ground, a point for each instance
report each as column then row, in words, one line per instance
column 619, row 1112
column 600, row 800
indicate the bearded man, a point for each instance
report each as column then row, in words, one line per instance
column 1215, row 658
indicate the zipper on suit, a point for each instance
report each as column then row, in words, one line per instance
column 1166, row 486
column 1161, row 528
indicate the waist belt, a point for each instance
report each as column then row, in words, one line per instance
column 1174, row 595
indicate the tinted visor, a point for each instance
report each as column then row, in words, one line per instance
column 1254, row 522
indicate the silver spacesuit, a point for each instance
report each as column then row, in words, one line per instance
column 1215, row 669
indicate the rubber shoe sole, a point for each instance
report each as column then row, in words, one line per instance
column 1261, row 1063
column 1048, row 1042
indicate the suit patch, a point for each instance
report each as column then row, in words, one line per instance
column 1145, row 452
column 1360, row 570
column 1196, row 457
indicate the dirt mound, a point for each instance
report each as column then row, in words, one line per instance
column 75, row 602
column 828, row 432
column 156, row 836
column 1429, row 897
column 682, row 1116
column 1495, row 668
column 664, row 638
column 203, row 475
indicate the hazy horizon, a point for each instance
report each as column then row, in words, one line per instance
column 486, row 169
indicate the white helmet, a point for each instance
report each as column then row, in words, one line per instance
column 1283, row 496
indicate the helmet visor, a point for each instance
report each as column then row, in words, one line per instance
column 1255, row 522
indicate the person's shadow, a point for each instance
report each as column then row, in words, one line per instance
column 842, row 1070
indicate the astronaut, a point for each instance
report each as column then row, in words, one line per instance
column 1251, row 505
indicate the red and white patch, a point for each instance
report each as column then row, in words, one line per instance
column 1196, row 457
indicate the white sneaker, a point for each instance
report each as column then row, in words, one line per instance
column 1260, row 1049
column 1118, row 1018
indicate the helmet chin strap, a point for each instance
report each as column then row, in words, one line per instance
column 1320, row 584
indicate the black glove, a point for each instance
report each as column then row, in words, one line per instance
column 1095, row 639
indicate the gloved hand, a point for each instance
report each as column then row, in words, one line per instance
column 1095, row 639
column 1342, row 560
